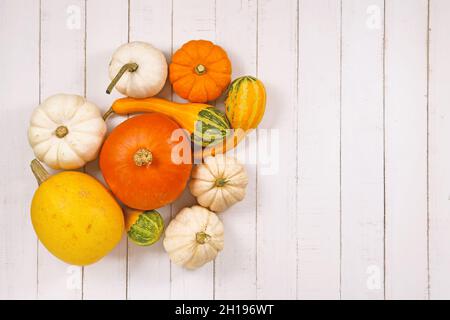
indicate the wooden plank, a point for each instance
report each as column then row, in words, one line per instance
column 319, row 150
column 105, row 279
column 149, row 267
column 192, row 19
column 19, row 94
column 439, row 153
column 235, row 268
column 362, row 184
column 406, row 149
column 62, row 71
column 277, row 154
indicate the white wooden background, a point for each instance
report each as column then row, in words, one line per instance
column 359, row 91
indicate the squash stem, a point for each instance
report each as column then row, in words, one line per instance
column 221, row 182
column 131, row 67
column 200, row 69
column 61, row 131
column 39, row 171
column 108, row 113
column 202, row 237
column 143, row 157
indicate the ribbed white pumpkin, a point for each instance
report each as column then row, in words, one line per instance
column 66, row 131
column 194, row 237
column 219, row 182
column 150, row 72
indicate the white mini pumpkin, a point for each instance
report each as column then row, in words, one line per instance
column 219, row 182
column 137, row 70
column 194, row 237
column 66, row 131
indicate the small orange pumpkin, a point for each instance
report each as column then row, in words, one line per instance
column 200, row 71
column 137, row 161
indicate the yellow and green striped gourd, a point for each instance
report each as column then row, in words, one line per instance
column 245, row 103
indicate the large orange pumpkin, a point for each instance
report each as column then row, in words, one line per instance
column 136, row 161
column 200, row 71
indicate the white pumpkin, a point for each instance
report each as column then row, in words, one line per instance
column 219, row 182
column 137, row 70
column 194, row 237
column 66, row 131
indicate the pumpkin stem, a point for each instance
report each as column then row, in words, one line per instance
column 108, row 113
column 143, row 157
column 221, row 182
column 61, row 131
column 200, row 69
column 131, row 67
column 39, row 171
column 202, row 237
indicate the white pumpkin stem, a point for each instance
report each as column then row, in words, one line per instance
column 131, row 67
column 39, row 171
column 202, row 237
column 61, row 131
column 220, row 182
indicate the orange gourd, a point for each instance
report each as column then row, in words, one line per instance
column 140, row 165
column 200, row 71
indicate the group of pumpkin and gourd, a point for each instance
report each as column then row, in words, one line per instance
column 79, row 221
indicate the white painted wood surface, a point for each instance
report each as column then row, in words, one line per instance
column 276, row 252
column 406, row 149
column 319, row 150
column 362, row 150
column 358, row 96
column 18, row 244
column 438, row 153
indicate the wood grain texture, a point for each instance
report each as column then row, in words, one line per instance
column 276, row 171
column 19, row 61
column 350, row 194
column 235, row 268
column 439, row 154
column 406, row 149
column 319, row 150
column 105, row 32
column 62, row 71
column 362, row 150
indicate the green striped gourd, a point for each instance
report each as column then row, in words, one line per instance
column 211, row 126
column 144, row 227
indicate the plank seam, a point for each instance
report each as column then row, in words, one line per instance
column 40, row 99
column 428, row 143
column 84, row 94
column 127, row 275
column 297, row 169
column 340, row 153
column 257, row 157
column 384, row 149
